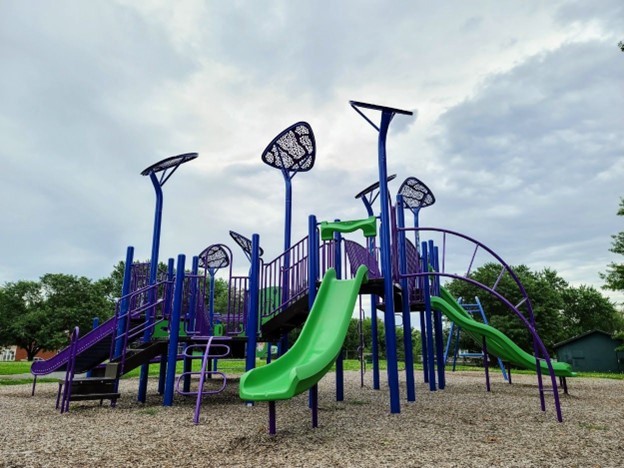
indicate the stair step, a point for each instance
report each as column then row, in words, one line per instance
column 95, row 396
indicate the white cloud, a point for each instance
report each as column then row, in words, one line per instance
column 517, row 131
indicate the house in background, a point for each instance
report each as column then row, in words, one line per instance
column 7, row 354
column 593, row 351
column 15, row 353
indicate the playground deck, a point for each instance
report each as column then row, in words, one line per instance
column 460, row 426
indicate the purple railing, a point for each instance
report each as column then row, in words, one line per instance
column 195, row 309
column 160, row 308
column 235, row 320
column 285, row 280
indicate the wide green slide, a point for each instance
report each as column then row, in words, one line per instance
column 316, row 349
column 497, row 342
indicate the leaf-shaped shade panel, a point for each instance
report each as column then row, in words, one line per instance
column 214, row 256
column 167, row 163
column 292, row 150
column 416, row 194
column 373, row 187
column 244, row 243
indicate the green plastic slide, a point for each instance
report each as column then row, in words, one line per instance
column 497, row 342
column 316, row 349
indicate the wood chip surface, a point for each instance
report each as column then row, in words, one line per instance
column 461, row 426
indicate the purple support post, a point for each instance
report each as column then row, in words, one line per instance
column 486, row 364
column 340, row 359
column 428, row 319
column 439, row 338
column 314, row 404
column 272, row 418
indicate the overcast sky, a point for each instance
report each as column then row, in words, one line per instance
column 518, row 126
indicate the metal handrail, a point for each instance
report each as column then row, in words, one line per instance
column 203, row 373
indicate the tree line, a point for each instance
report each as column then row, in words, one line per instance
column 38, row 315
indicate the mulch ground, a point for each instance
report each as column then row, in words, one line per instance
column 462, row 425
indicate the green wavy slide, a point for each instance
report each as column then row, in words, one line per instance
column 497, row 342
column 316, row 349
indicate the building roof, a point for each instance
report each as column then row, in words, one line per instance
column 582, row 335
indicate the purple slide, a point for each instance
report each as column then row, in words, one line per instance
column 93, row 349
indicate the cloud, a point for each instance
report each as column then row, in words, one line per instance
column 528, row 154
column 517, row 130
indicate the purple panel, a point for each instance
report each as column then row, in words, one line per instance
column 358, row 255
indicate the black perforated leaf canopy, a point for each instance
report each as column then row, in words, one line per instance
column 373, row 187
column 416, row 194
column 244, row 243
column 214, row 256
column 293, row 150
column 167, row 163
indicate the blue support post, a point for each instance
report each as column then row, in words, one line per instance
column 174, row 332
column 439, row 336
column 162, row 375
column 428, row 319
column 252, row 312
column 123, row 307
column 149, row 313
column 313, row 274
column 386, row 267
column 283, row 343
column 406, row 313
column 340, row 359
column 423, row 328
column 387, row 115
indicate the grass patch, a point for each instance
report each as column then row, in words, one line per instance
column 593, row 427
column 11, row 368
column 24, row 381
column 149, row 411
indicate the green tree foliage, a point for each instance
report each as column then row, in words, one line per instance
column 586, row 309
column 614, row 276
column 38, row 315
column 352, row 341
column 561, row 311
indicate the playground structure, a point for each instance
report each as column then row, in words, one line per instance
column 313, row 283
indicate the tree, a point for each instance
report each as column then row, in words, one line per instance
column 586, row 309
column 614, row 277
column 621, row 45
column 38, row 315
column 561, row 311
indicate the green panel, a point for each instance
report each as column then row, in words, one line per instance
column 316, row 349
column 161, row 330
column 498, row 343
column 368, row 227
